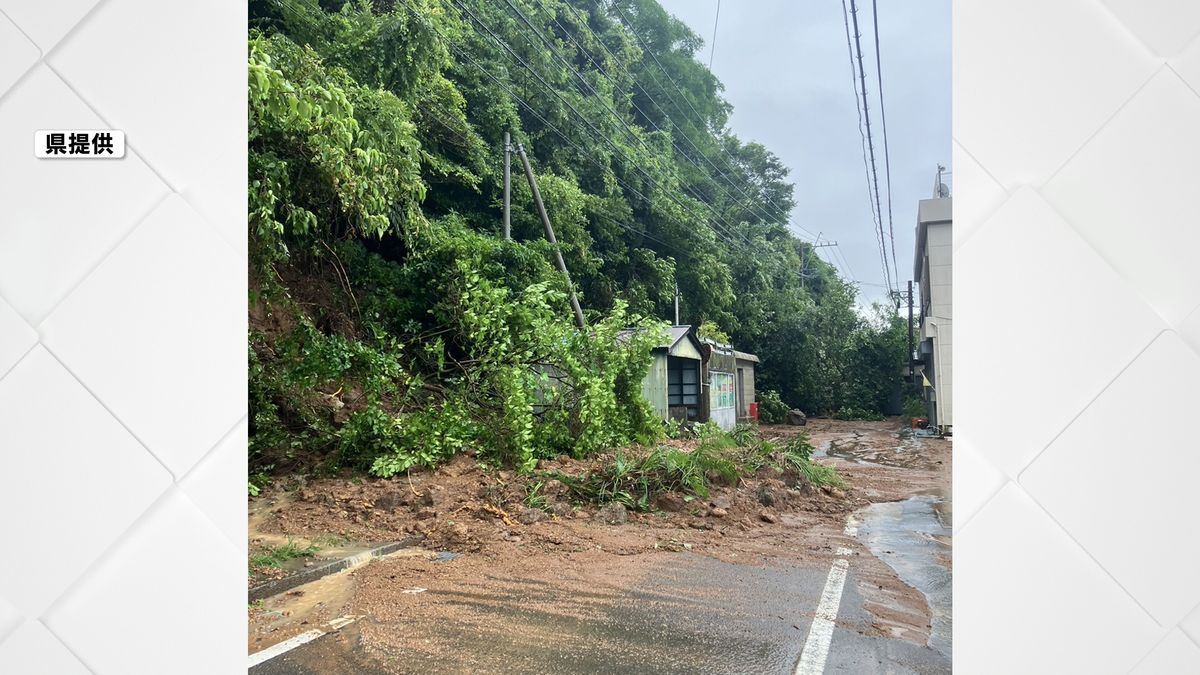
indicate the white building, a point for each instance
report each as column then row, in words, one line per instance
column 934, row 272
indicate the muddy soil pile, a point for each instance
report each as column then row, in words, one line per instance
column 463, row 507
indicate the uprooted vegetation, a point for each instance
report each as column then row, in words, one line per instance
column 714, row 481
column 718, row 458
column 370, row 378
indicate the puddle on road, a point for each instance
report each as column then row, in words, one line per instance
column 913, row 538
column 901, row 450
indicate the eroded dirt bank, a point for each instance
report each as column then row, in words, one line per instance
column 566, row 574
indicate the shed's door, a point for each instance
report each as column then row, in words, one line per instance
column 742, row 411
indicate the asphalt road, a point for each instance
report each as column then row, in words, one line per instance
column 692, row 614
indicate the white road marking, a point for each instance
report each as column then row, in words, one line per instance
column 820, row 633
column 342, row 622
column 301, row 639
column 284, row 647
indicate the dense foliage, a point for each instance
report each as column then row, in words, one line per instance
column 771, row 408
column 392, row 326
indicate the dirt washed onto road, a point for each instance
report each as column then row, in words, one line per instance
column 525, row 576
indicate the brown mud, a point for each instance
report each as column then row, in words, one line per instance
column 572, row 561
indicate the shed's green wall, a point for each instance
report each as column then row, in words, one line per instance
column 654, row 387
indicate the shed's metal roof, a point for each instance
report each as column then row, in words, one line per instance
column 745, row 356
column 674, row 335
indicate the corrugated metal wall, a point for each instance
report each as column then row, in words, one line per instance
column 654, row 387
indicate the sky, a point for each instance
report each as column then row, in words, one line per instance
column 787, row 73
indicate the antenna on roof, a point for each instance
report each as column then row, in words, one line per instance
column 940, row 189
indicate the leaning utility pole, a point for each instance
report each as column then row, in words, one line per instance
column 507, row 187
column 562, row 266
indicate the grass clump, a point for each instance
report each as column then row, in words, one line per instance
column 277, row 555
column 719, row 457
column 797, row 454
column 534, row 498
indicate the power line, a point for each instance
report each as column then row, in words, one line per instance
column 550, row 46
column 873, row 178
column 599, row 134
column 464, row 135
column 887, row 164
column 719, row 173
column 875, row 223
column 713, row 48
column 862, row 136
column 837, row 251
column 549, row 125
column 862, row 73
column 699, row 117
column 599, row 216
column 682, row 153
column 833, row 260
column 302, row 12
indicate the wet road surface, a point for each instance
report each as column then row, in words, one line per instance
column 912, row 537
column 691, row 614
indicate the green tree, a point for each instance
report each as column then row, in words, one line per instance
column 391, row 326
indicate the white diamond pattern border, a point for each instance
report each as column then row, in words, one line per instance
column 128, row 557
column 1089, row 531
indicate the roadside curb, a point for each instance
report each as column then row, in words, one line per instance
column 277, row 586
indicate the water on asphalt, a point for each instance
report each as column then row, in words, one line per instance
column 912, row 537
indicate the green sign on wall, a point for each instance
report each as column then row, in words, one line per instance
column 723, row 395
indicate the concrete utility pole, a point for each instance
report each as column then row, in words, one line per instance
column 507, row 187
column 562, row 266
column 911, row 374
column 676, row 303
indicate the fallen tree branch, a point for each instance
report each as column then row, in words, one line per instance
column 500, row 513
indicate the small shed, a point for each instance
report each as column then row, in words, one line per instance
column 746, row 364
column 672, row 386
